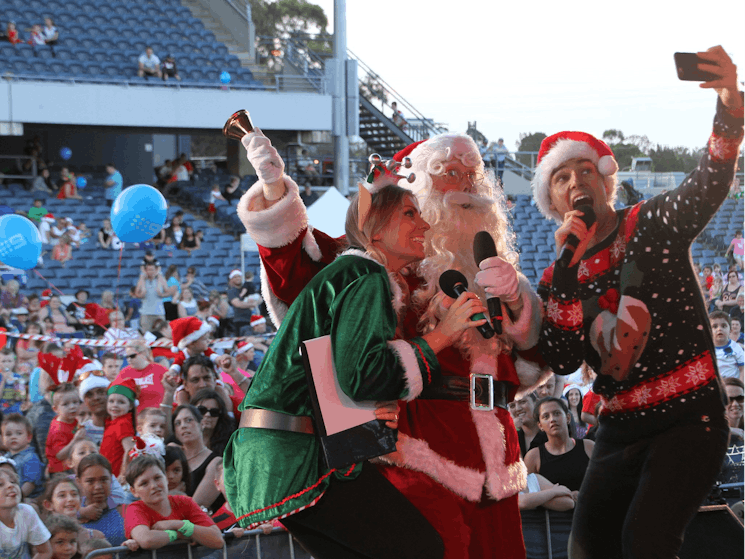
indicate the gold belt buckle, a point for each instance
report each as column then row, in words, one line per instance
column 479, row 379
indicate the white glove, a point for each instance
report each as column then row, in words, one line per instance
column 499, row 279
column 267, row 162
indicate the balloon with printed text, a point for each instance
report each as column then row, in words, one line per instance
column 20, row 242
column 138, row 213
column 65, row 153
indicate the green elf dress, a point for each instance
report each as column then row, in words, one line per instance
column 271, row 474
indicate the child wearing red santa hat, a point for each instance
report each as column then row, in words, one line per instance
column 190, row 338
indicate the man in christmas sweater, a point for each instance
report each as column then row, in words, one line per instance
column 629, row 304
column 460, row 466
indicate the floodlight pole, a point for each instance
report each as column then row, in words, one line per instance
column 341, row 141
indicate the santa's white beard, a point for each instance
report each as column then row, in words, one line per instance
column 454, row 219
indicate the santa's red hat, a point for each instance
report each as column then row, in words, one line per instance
column 243, row 347
column 147, row 444
column 407, row 151
column 187, row 330
column 257, row 319
column 126, row 387
column 560, row 148
column 49, row 218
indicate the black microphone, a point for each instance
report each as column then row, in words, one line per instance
column 453, row 284
column 570, row 245
column 483, row 248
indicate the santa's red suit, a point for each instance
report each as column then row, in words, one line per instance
column 460, row 467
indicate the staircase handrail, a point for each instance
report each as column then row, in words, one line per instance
column 427, row 125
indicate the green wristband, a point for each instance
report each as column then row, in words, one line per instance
column 187, row 530
column 172, row 535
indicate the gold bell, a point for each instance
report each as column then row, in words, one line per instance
column 238, row 125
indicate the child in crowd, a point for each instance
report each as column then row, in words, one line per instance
column 64, row 540
column 17, row 436
column 62, row 496
column 20, row 526
column 112, row 364
column 64, row 429
column 168, row 246
column 81, row 449
column 92, row 391
column 158, row 518
column 119, row 432
column 215, row 195
column 152, row 422
column 191, row 338
column 11, row 33
column 178, row 472
column 13, row 393
column 99, row 511
column 730, row 355
column 84, row 414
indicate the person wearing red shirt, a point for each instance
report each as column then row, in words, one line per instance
column 158, row 519
column 63, row 431
column 119, row 430
column 147, row 375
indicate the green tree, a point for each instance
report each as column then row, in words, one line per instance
column 372, row 89
column 529, row 142
column 667, row 159
column 287, row 18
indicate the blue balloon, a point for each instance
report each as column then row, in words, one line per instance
column 225, row 77
column 82, row 182
column 138, row 213
column 20, row 242
column 65, row 153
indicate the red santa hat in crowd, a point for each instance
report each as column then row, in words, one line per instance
column 91, row 376
column 234, row 273
column 560, row 148
column 147, row 444
column 243, row 347
column 213, row 320
column 49, row 218
column 187, row 330
column 257, row 319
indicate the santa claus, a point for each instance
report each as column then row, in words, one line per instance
column 458, row 457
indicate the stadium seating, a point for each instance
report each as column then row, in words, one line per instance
column 79, row 273
column 106, row 38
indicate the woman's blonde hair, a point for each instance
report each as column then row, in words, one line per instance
column 384, row 203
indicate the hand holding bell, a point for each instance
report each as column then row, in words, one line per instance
column 260, row 152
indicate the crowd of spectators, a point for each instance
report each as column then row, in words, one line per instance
column 60, row 404
column 46, row 35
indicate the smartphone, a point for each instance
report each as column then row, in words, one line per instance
column 686, row 64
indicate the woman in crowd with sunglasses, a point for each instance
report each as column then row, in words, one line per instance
column 217, row 425
column 147, row 374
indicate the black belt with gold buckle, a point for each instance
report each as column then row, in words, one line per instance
column 481, row 391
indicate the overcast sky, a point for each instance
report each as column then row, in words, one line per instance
column 544, row 66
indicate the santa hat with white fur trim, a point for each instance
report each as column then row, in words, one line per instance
column 91, row 382
column 560, row 148
column 243, row 347
column 187, row 330
column 257, row 319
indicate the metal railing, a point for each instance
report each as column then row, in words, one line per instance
column 18, row 158
column 254, row 544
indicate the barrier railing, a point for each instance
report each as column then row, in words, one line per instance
column 254, row 544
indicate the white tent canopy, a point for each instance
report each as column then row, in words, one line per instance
column 329, row 212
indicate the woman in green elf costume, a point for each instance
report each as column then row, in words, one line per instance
column 274, row 469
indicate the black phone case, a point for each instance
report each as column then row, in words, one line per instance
column 685, row 64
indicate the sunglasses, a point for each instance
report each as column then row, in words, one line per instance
column 131, row 356
column 213, row 412
column 738, row 399
column 86, row 374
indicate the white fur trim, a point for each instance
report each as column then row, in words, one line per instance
column 311, row 245
column 531, row 376
column 563, row 151
column 277, row 226
column 175, row 368
column 524, row 333
column 360, row 253
column 205, row 328
column 274, row 305
column 502, row 480
column 398, row 294
column 417, row 455
column 412, row 373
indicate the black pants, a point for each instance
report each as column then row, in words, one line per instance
column 636, row 500
column 366, row 518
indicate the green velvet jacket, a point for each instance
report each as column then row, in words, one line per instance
column 270, row 473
